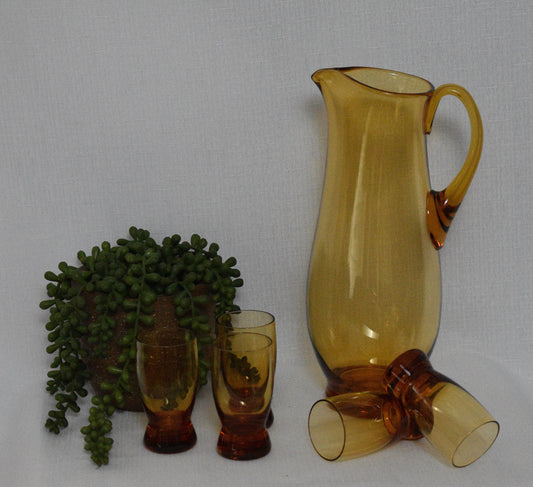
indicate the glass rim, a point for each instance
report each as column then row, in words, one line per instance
column 182, row 337
column 489, row 422
column 388, row 72
column 245, row 349
column 271, row 318
column 338, row 414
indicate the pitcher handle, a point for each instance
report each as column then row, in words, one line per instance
column 441, row 206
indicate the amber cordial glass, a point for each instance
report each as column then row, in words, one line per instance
column 447, row 415
column 167, row 370
column 242, row 380
column 419, row 402
column 355, row 424
column 250, row 321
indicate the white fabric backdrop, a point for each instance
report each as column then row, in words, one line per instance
column 200, row 116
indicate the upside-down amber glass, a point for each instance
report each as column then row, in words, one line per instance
column 167, row 370
column 253, row 321
column 242, row 381
column 374, row 286
column 448, row 416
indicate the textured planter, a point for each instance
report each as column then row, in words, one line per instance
column 164, row 318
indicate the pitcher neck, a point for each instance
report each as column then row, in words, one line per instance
column 368, row 100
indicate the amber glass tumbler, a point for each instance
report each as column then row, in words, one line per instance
column 453, row 421
column 355, row 424
column 416, row 401
column 242, row 380
column 167, row 370
column 253, row 321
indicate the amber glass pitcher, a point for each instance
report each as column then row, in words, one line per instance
column 374, row 286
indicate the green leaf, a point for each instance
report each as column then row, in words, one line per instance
column 51, row 349
column 133, row 232
column 129, row 304
column 106, row 386
column 47, row 303
column 231, row 262
column 148, row 298
column 153, row 277
column 50, row 276
column 114, row 370
column 147, row 320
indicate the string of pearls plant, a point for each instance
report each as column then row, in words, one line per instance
column 127, row 277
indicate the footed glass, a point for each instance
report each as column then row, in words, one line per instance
column 242, row 381
column 250, row 321
column 167, row 370
column 453, row 421
column 355, row 424
column 418, row 401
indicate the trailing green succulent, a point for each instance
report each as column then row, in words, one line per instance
column 127, row 278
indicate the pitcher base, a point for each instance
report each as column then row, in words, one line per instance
column 355, row 379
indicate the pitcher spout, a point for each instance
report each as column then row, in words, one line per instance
column 333, row 79
column 322, row 75
column 318, row 76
